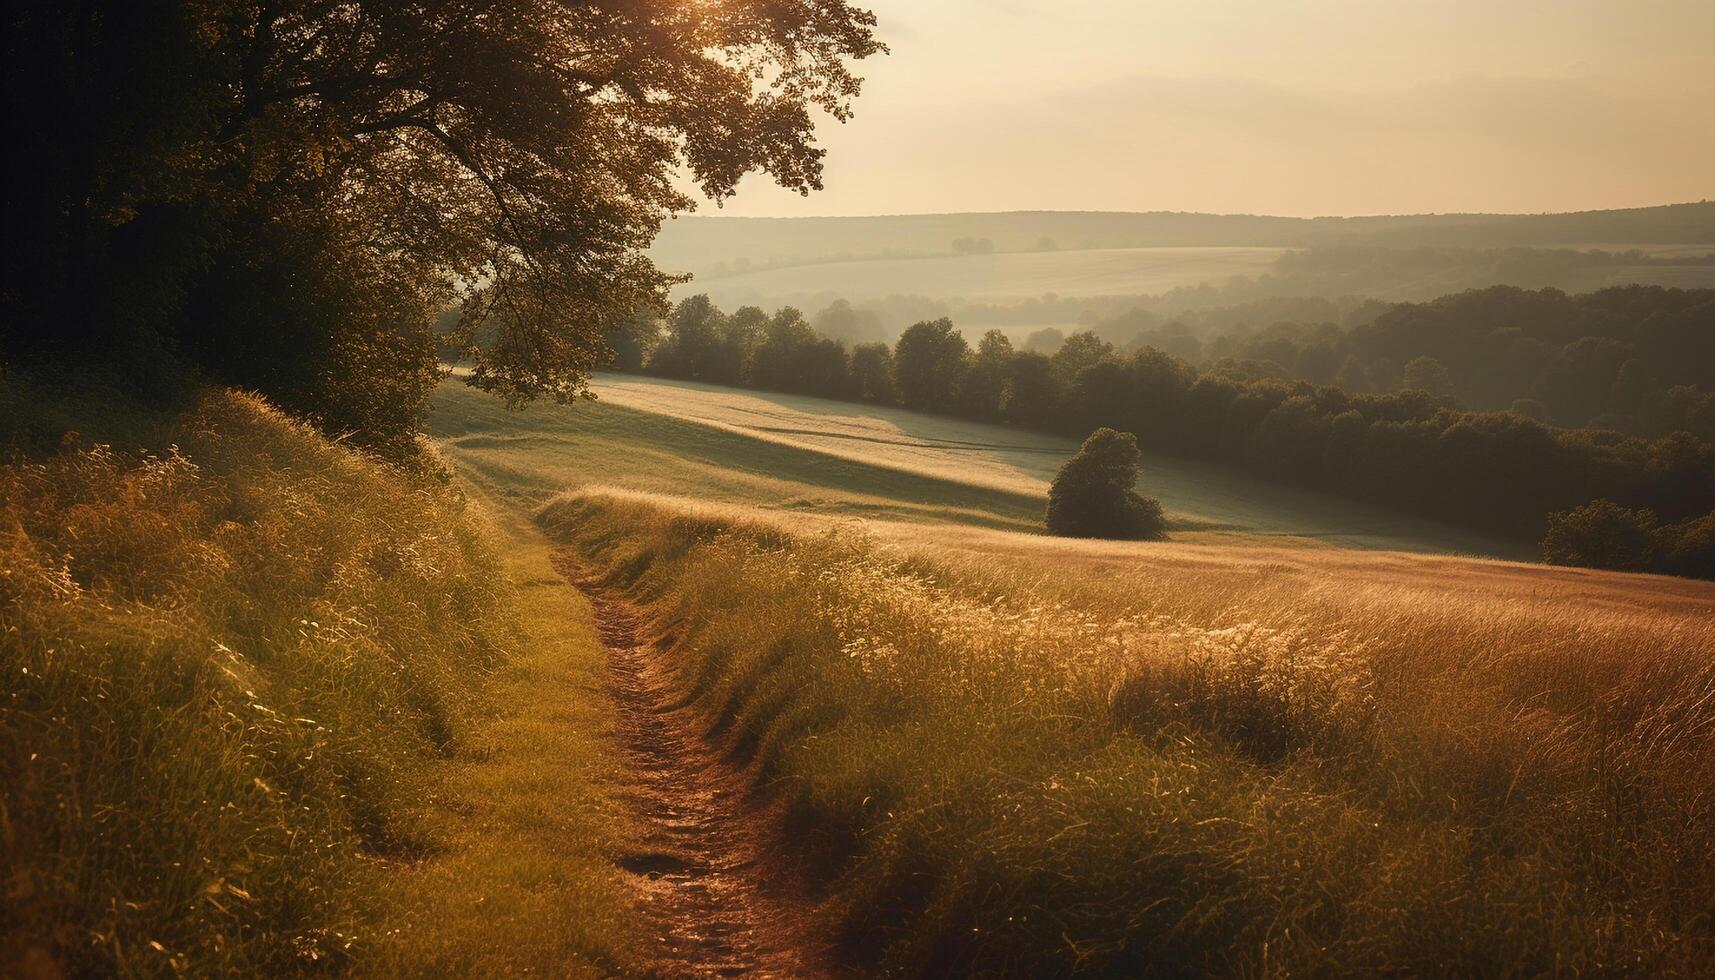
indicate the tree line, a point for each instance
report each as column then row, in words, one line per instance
column 1636, row 359
column 1498, row 471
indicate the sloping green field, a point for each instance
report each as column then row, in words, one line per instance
column 999, row 276
column 836, row 461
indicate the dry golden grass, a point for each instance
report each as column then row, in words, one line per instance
column 268, row 707
column 1010, row 754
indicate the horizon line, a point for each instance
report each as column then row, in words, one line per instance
column 1195, row 214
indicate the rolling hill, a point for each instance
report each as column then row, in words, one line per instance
column 829, row 460
column 696, row 244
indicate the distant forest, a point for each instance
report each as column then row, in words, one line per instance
column 1635, row 359
column 1415, row 449
column 1329, row 284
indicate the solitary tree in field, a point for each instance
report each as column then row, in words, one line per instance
column 282, row 194
column 1093, row 496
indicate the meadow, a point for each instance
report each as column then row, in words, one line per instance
column 317, row 661
column 701, row 244
column 1114, row 279
column 1230, row 753
column 1170, row 760
column 270, row 707
column 815, row 457
column 993, row 277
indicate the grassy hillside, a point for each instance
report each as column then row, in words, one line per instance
column 526, row 458
column 980, row 288
column 836, row 460
column 267, row 706
column 697, row 244
column 1202, row 761
column 992, row 278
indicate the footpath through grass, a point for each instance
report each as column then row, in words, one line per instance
column 990, row 768
column 269, row 707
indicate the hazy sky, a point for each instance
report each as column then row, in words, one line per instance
column 1296, row 107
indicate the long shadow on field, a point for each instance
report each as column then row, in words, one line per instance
column 1198, row 494
column 546, row 449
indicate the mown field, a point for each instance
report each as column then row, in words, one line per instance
column 836, row 460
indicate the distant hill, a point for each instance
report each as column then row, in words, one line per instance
column 712, row 245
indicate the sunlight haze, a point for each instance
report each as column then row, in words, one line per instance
column 1258, row 106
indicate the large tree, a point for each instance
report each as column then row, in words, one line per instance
column 929, row 364
column 183, row 164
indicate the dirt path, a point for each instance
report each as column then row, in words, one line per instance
column 701, row 866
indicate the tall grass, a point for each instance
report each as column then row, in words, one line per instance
column 224, row 659
column 991, row 769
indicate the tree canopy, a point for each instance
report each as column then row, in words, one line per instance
column 1093, row 497
column 929, row 365
column 346, row 169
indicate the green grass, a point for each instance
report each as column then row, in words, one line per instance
column 818, row 458
column 527, row 457
column 1019, row 764
column 268, row 706
column 526, row 827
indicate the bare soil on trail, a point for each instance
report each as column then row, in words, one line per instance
column 701, row 866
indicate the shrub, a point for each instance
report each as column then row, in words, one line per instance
column 1531, row 409
column 1092, row 495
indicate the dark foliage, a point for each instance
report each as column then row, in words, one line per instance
column 929, row 365
column 1636, row 359
column 872, row 374
column 1602, row 534
column 1093, row 497
column 284, row 196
